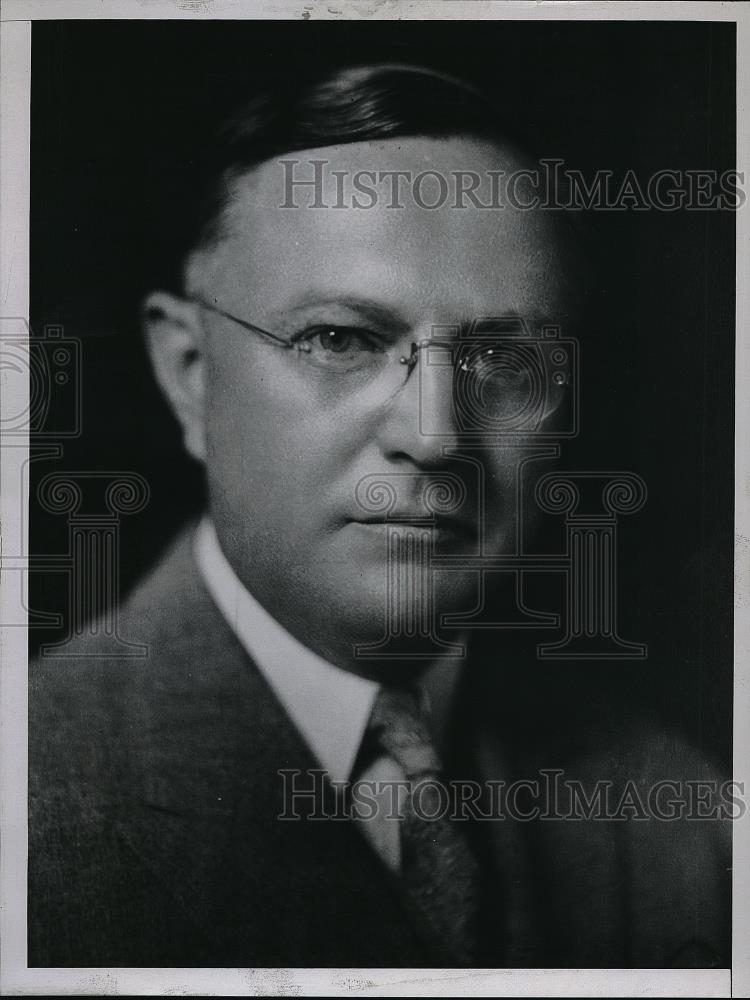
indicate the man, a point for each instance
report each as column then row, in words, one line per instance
column 315, row 357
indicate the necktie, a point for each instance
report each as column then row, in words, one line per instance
column 439, row 875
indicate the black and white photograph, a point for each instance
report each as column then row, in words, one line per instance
column 374, row 585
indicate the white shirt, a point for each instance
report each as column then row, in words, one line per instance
column 329, row 706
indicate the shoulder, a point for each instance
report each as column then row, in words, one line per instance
column 166, row 625
column 630, row 846
column 127, row 683
column 104, row 726
column 646, row 821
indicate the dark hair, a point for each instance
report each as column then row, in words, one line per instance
column 349, row 104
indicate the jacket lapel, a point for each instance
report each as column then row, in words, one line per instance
column 202, row 797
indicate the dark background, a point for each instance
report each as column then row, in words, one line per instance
column 118, row 110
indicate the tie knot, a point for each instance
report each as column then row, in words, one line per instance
column 399, row 725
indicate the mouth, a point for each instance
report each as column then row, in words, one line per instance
column 444, row 529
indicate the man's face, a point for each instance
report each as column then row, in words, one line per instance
column 289, row 446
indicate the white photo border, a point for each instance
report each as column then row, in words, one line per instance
column 15, row 978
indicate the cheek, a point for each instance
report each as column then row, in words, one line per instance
column 271, row 443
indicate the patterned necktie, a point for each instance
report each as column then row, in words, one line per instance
column 439, row 875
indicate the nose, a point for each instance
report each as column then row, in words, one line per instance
column 419, row 421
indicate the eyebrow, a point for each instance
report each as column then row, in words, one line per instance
column 388, row 315
column 369, row 309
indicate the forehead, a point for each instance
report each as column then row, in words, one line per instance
column 457, row 258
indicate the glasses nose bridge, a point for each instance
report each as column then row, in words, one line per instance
column 442, row 354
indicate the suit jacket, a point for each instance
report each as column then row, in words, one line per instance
column 154, row 838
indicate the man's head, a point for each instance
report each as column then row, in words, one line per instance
column 296, row 438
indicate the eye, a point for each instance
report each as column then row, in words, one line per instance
column 339, row 339
column 340, row 347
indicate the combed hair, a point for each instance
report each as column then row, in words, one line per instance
column 352, row 104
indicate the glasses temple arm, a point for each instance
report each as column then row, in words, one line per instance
column 241, row 322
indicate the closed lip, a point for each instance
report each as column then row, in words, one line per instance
column 442, row 525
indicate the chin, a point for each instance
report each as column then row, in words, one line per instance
column 374, row 604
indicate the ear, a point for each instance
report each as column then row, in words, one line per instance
column 175, row 340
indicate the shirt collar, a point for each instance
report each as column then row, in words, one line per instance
column 330, row 706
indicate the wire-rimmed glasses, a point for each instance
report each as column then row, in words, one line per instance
column 501, row 377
